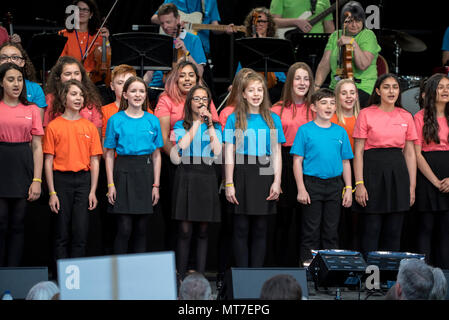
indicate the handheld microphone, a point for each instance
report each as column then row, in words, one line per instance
column 205, row 118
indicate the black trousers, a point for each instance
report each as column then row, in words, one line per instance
column 433, row 237
column 72, row 220
column 381, row 231
column 321, row 217
column 12, row 217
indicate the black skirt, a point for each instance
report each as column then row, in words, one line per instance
column 16, row 169
column 195, row 193
column 387, row 181
column 428, row 197
column 252, row 180
column 288, row 197
column 133, row 179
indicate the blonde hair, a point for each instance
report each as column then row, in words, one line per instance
column 339, row 111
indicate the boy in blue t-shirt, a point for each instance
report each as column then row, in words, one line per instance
column 321, row 154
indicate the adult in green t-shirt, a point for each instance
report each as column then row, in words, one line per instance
column 286, row 14
column 364, row 55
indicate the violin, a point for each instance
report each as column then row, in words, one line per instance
column 102, row 57
column 345, row 70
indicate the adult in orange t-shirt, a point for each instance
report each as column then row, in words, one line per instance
column 79, row 40
column 384, row 166
column 72, row 149
column 294, row 111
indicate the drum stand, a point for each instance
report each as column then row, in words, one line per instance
column 397, row 52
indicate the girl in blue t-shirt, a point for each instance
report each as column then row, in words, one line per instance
column 195, row 189
column 136, row 137
column 253, row 136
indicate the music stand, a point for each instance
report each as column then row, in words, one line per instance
column 46, row 48
column 265, row 54
column 143, row 50
column 308, row 46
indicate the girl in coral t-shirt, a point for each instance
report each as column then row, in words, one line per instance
column 384, row 166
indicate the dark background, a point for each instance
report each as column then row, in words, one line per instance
column 427, row 22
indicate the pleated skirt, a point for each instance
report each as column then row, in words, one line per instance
column 195, row 193
column 387, row 181
column 16, row 169
column 133, row 179
column 253, row 177
column 428, row 197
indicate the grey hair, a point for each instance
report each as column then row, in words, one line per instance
column 415, row 278
column 195, row 287
column 439, row 290
column 44, row 290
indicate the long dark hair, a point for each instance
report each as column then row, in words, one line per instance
column 28, row 68
column 5, row 67
column 374, row 99
column 171, row 85
column 124, row 102
column 431, row 127
column 60, row 101
column 94, row 22
column 54, row 83
column 188, row 114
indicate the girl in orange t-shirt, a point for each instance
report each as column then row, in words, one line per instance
column 20, row 164
column 432, row 181
column 72, row 150
column 294, row 111
column 67, row 68
column 384, row 166
column 348, row 108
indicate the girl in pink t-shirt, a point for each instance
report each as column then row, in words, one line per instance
column 384, row 166
column 294, row 111
column 69, row 68
column 20, row 164
column 432, row 185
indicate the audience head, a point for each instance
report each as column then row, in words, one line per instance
column 45, row 290
column 281, row 287
column 195, row 287
column 415, row 280
column 439, row 290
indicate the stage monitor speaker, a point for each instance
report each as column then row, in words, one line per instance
column 246, row 283
column 388, row 262
column 20, row 280
column 337, row 268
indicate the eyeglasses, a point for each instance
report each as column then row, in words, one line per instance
column 4, row 58
column 84, row 9
column 199, row 99
column 262, row 21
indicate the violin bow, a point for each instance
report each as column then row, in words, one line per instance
column 98, row 32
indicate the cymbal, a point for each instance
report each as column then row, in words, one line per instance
column 405, row 41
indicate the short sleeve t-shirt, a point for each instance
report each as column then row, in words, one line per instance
column 384, row 129
column 295, row 8
column 256, row 137
column 224, row 114
column 201, row 144
column 291, row 124
column 443, row 132
column 348, row 126
column 72, row 142
column 133, row 136
column 367, row 41
column 35, row 94
column 323, row 149
column 19, row 123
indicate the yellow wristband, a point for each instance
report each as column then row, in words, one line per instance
column 344, row 190
column 52, row 193
column 359, row 182
column 111, row 185
column 37, row 180
column 229, row 185
column 352, row 41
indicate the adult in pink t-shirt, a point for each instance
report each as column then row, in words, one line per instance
column 294, row 112
column 432, row 181
column 21, row 161
column 384, row 166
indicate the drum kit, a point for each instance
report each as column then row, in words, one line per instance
column 410, row 84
